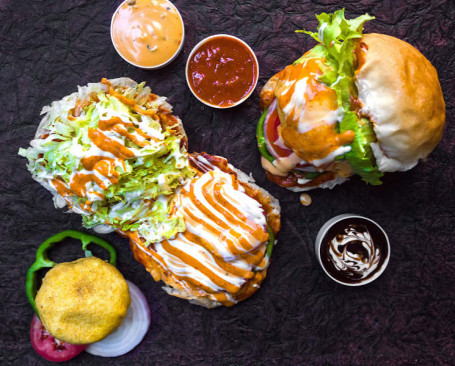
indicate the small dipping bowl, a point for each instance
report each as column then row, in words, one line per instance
column 147, row 34
column 353, row 250
column 222, row 71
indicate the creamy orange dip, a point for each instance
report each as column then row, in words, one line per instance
column 147, row 32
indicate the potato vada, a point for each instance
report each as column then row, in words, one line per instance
column 83, row 301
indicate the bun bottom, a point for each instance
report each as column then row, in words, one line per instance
column 327, row 185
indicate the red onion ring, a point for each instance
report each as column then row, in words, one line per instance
column 130, row 333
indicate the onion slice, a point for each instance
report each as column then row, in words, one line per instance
column 272, row 109
column 130, row 333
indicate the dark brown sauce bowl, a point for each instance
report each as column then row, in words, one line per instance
column 378, row 234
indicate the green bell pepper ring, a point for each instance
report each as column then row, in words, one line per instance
column 312, row 175
column 271, row 242
column 42, row 260
column 262, row 145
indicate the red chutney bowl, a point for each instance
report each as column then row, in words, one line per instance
column 222, row 71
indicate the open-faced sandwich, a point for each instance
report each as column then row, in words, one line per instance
column 353, row 104
column 114, row 153
column 222, row 256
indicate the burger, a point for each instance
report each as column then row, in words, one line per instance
column 222, row 256
column 355, row 103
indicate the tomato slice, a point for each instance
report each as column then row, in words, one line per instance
column 274, row 143
column 271, row 124
column 50, row 348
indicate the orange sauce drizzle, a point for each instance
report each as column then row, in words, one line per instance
column 104, row 165
column 223, row 264
column 64, row 191
column 117, row 125
column 320, row 101
column 94, row 162
column 79, row 182
column 127, row 101
column 146, row 112
column 61, row 187
column 190, row 261
column 107, row 144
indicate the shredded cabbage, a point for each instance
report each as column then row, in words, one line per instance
column 141, row 199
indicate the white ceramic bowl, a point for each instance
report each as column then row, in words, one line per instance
column 195, row 48
column 326, row 227
column 164, row 63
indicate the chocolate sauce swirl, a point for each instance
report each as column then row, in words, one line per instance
column 353, row 250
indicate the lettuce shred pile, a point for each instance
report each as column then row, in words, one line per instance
column 337, row 40
column 142, row 198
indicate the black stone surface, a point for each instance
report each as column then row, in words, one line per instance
column 300, row 316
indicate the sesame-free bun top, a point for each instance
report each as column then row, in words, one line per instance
column 400, row 92
column 83, row 301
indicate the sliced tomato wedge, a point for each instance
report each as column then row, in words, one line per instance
column 50, row 348
column 271, row 123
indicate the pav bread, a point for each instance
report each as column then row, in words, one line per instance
column 400, row 93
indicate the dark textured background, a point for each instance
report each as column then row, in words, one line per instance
column 299, row 316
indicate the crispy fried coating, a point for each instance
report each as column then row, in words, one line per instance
column 83, row 301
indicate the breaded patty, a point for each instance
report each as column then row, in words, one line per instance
column 83, row 301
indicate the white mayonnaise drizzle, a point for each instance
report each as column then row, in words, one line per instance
column 298, row 100
column 315, row 118
column 78, row 151
column 337, row 81
column 91, row 185
column 287, row 86
column 331, row 157
column 206, row 163
column 161, row 180
column 281, row 166
column 203, row 256
column 146, row 123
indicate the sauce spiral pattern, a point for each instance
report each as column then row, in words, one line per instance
column 354, row 253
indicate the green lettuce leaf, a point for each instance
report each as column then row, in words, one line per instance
column 336, row 35
column 361, row 156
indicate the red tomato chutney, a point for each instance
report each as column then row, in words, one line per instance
column 222, row 71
